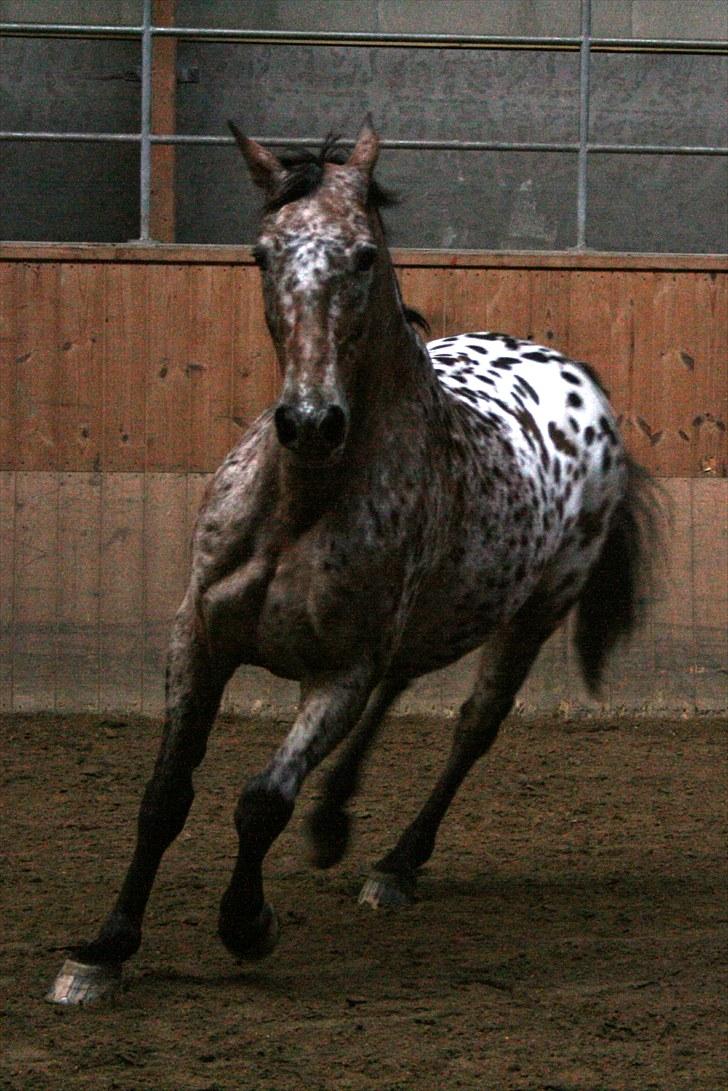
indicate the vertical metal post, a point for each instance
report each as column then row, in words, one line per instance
column 584, row 96
column 145, row 148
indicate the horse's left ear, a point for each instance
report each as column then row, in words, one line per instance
column 265, row 168
column 366, row 150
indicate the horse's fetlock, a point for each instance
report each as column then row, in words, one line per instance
column 248, row 937
column 118, row 940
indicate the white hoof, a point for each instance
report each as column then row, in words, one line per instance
column 383, row 891
column 80, row 983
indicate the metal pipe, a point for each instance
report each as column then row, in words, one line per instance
column 364, row 38
column 582, row 164
column 395, row 145
column 79, row 138
column 657, row 149
column 145, row 150
column 70, row 30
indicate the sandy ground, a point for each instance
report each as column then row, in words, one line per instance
column 569, row 935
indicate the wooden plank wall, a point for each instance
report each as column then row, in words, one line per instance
column 126, row 375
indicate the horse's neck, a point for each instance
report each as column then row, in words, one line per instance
column 394, row 367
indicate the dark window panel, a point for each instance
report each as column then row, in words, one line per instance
column 659, row 99
column 658, row 203
column 467, row 200
column 69, row 85
column 69, row 192
column 513, row 95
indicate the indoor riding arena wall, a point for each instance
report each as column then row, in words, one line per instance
column 127, row 373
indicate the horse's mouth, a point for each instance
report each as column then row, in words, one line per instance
column 314, row 460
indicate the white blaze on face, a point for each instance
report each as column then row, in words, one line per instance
column 316, row 300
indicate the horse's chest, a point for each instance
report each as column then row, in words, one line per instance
column 313, row 615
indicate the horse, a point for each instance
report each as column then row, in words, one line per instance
column 399, row 506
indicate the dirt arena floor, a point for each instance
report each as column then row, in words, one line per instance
column 569, row 934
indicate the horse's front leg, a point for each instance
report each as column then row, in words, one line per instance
column 194, row 688
column 330, row 706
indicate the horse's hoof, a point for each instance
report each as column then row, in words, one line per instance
column 255, row 940
column 82, row 983
column 384, row 890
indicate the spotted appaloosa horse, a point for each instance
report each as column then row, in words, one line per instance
column 401, row 505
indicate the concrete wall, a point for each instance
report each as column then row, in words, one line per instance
column 465, row 200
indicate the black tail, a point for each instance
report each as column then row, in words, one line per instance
column 612, row 602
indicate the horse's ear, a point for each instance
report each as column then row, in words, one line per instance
column 366, row 150
column 265, row 168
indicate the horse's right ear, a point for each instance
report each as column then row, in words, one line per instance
column 265, row 168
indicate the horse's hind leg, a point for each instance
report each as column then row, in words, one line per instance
column 329, row 823
column 194, row 687
column 505, row 662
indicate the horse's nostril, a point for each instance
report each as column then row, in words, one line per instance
column 286, row 422
column 332, row 426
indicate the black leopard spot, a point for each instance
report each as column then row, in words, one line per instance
column 527, row 389
column 561, row 441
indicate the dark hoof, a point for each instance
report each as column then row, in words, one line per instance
column 251, row 940
column 81, row 983
column 383, row 890
column 329, row 833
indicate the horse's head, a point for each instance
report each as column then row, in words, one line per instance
column 317, row 253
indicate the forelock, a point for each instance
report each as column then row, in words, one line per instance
column 304, row 174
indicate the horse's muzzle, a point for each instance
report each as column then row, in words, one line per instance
column 314, row 434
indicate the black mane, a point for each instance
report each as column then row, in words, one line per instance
column 305, row 173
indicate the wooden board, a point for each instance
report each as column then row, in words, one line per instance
column 7, row 588
column 122, row 592
column 82, row 316
column 35, row 591
column 126, row 355
column 78, row 591
column 94, row 566
column 160, row 366
column 165, row 574
column 149, row 367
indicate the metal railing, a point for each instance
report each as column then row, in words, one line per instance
column 147, row 31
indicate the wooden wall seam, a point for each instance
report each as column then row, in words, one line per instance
column 229, row 254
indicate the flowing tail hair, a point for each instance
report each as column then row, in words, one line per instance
column 625, row 576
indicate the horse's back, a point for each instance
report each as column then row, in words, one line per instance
column 554, row 411
column 495, row 373
column 562, row 471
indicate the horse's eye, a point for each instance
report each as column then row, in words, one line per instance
column 364, row 256
column 260, row 256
